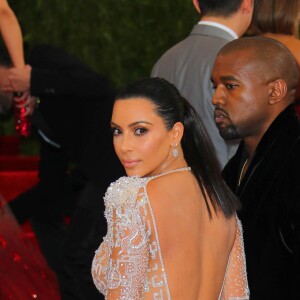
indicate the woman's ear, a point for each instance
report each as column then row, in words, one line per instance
column 177, row 133
column 277, row 91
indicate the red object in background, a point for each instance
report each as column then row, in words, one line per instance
column 22, row 123
column 24, row 272
column 9, row 145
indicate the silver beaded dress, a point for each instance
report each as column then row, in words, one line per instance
column 129, row 263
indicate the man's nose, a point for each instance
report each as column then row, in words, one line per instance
column 219, row 96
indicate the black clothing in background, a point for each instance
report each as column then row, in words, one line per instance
column 270, row 196
column 76, row 166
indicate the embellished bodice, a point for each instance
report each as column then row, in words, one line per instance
column 128, row 264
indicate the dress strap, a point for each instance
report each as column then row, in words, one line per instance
column 172, row 171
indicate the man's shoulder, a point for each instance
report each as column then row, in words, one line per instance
column 204, row 38
column 200, row 43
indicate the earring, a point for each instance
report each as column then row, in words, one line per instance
column 175, row 152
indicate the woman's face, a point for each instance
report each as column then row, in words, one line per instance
column 141, row 140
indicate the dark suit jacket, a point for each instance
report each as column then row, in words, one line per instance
column 270, row 214
column 75, row 111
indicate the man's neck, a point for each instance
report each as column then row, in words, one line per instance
column 229, row 22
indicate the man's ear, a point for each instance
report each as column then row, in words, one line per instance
column 277, row 91
column 247, row 6
column 177, row 133
column 197, row 6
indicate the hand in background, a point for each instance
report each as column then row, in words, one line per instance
column 27, row 101
column 19, row 80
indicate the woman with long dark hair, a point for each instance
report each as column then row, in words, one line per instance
column 172, row 227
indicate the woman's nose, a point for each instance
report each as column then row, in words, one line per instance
column 125, row 143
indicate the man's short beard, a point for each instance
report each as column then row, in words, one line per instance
column 229, row 133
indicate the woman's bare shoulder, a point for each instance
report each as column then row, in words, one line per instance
column 178, row 196
column 172, row 186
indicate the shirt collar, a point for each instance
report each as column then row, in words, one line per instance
column 210, row 23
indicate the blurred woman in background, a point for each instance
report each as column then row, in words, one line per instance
column 279, row 20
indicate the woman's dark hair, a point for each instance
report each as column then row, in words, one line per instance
column 276, row 16
column 197, row 147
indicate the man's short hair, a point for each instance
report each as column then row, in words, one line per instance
column 222, row 8
column 272, row 58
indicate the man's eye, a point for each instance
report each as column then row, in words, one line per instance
column 140, row 131
column 116, row 131
column 231, row 86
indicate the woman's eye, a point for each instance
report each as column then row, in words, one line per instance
column 116, row 131
column 140, row 131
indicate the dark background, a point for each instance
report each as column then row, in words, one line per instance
column 120, row 39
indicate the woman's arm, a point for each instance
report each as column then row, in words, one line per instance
column 11, row 34
column 120, row 267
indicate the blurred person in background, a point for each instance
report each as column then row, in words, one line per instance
column 11, row 34
column 188, row 64
column 279, row 20
column 69, row 106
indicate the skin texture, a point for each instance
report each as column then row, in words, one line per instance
column 293, row 44
column 16, row 80
column 19, row 81
column 6, row 98
column 11, row 34
column 139, row 133
column 240, row 99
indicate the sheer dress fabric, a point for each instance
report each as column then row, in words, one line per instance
column 128, row 264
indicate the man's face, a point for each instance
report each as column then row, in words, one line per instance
column 241, row 96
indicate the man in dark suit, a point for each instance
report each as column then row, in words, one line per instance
column 71, row 109
column 255, row 80
column 188, row 64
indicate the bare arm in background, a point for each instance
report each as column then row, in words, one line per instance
column 11, row 34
